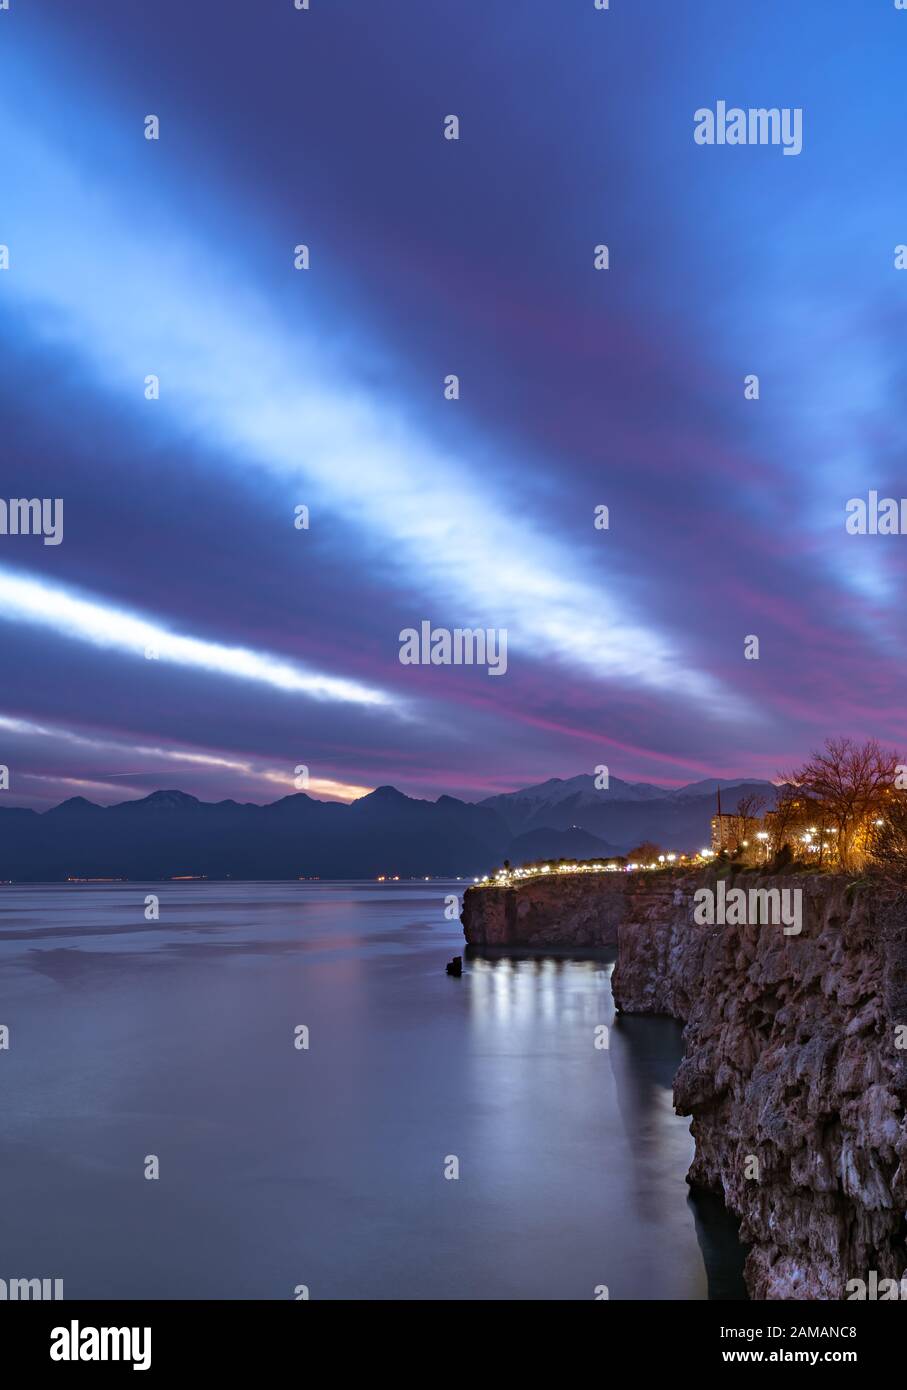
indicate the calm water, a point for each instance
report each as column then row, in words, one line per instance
column 281, row 1167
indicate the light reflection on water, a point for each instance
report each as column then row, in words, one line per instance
column 325, row 1167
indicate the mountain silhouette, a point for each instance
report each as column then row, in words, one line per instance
column 626, row 813
column 170, row 833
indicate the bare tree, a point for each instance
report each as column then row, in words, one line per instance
column 746, row 819
column 798, row 821
column 888, row 836
column 646, row 853
column 786, row 818
column 852, row 784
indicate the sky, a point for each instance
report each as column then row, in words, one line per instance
column 278, row 646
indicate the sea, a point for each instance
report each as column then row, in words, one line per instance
column 275, row 1091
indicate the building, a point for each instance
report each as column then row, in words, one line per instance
column 731, row 832
column 725, row 832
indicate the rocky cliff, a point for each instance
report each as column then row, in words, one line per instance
column 563, row 910
column 793, row 1073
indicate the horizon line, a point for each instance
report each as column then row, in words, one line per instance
column 382, row 786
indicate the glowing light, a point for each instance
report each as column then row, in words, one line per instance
column 182, row 758
column 321, row 786
column 47, row 605
column 277, row 401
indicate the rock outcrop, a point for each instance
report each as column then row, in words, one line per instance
column 560, row 910
column 795, row 1067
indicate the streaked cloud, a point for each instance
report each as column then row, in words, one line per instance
column 157, row 759
column 278, row 387
column 27, row 600
column 131, row 289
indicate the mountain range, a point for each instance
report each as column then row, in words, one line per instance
column 170, row 833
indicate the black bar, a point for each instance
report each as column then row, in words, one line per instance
column 226, row 1338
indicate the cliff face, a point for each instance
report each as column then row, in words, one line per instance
column 793, row 1075
column 568, row 909
column 563, row 910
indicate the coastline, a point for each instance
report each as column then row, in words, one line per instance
column 792, row 1076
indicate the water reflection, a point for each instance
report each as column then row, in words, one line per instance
column 547, row 1008
column 325, row 1167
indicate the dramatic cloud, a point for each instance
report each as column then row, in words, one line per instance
column 25, row 600
column 174, row 258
